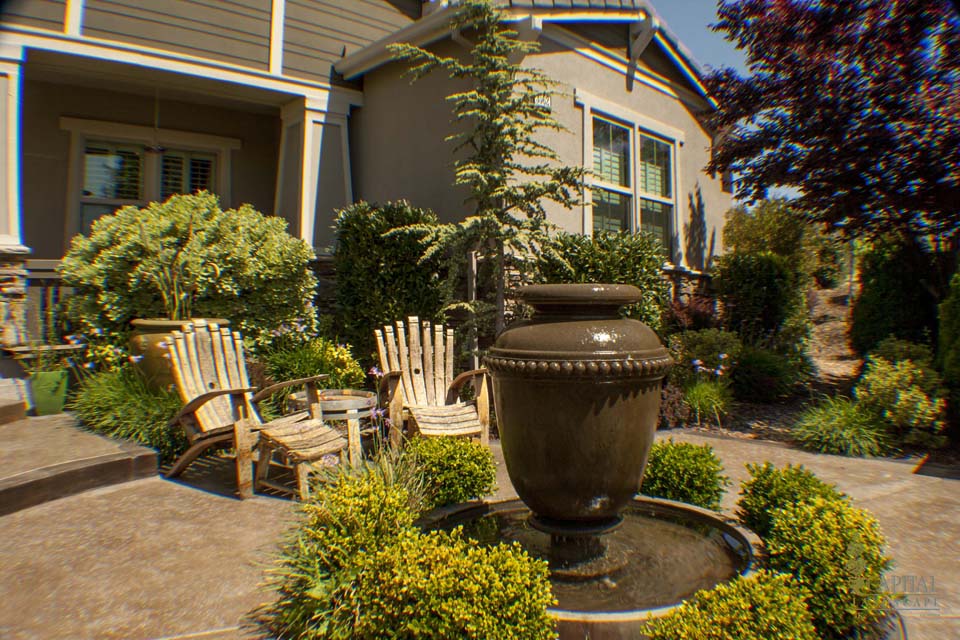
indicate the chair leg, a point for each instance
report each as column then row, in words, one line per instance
column 302, row 470
column 263, row 464
column 193, row 453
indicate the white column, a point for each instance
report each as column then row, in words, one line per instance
column 73, row 23
column 277, row 17
column 11, row 61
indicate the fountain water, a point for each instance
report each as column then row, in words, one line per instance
column 577, row 395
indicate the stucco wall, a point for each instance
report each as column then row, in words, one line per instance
column 46, row 150
column 399, row 149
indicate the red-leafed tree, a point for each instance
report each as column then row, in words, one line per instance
column 854, row 103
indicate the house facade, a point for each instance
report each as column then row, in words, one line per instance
column 295, row 107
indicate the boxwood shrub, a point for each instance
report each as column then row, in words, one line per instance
column 762, row 606
column 904, row 397
column 760, row 291
column 836, row 551
column 454, row 469
column 356, row 567
column 684, row 472
column 770, row 488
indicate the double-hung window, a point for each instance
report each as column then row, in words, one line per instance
column 113, row 165
column 632, row 166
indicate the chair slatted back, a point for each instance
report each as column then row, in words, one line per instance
column 423, row 354
column 206, row 357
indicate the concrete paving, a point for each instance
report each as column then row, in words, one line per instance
column 153, row 558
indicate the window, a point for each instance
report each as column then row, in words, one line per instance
column 627, row 195
column 117, row 175
column 611, row 177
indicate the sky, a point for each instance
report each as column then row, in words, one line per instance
column 688, row 19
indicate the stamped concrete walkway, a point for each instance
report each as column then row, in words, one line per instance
column 152, row 558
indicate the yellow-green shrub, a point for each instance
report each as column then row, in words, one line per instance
column 763, row 606
column 684, row 472
column 841, row 426
column 440, row 585
column 454, row 469
column 836, row 551
column 770, row 488
column 900, row 394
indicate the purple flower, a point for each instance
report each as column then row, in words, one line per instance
column 696, row 362
column 723, row 356
column 135, row 359
column 375, row 372
column 90, row 365
column 379, row 413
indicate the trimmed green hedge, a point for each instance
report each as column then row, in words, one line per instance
column 454, row 469
column 684, row 472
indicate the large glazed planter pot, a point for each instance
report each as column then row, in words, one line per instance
column 577, row 393
column 147, row 345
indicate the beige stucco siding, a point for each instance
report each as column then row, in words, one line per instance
column 399, row 149
column 237, row 32
column 46, row 147
column 318, row 32
column 43, row 14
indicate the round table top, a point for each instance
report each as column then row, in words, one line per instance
column 340, row 404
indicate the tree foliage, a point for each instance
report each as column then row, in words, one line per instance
column 854, row 103
column 507, row 171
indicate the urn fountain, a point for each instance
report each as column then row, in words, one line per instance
column 577, row 392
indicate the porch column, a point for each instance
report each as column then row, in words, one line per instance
column 13, row 255
column 313, row 175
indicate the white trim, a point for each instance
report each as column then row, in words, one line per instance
column 277, row 13
column 618, row 63
column 138, row 133
column 174, row 62
column 81, row 130
column 625, row 114
column 11, row 154
column 73, row 17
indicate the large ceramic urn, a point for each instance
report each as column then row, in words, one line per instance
column 577, row 394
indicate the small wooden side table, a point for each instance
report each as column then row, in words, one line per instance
column 343, row 405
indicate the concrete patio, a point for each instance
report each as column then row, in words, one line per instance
column 152, row 558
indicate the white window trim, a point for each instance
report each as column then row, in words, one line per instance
column 638, row 124
column 83, row 130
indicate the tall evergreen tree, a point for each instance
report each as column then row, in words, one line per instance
column 507, row 171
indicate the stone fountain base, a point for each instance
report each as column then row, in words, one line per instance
column 609, row 585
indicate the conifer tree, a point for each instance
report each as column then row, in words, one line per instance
column 507, row 171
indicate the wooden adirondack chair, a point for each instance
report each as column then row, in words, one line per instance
column 419, row 381
column 221, row 409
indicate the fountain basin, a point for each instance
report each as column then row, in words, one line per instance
column 662, row 553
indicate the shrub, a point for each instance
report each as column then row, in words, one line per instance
column 684, row 472
column 901, row 395
column 357, row 568
column 836, row 551
column 454, row 469
column 893, row 299
column 615, row 258
column 839, row 425
column 948, row 347
column 771, row 226
column 314, row 357
column 439, row 585
column 708, row 399
column 381, row 279
column 698, row 312
column 763, row 375
column 762, row 606
column 705, row 346
column 119, row 404
column 770, row 488
column 759, row 291
column 188, row 258
column 895, row 350
column 674, row 412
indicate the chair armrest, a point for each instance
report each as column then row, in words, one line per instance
column 453, row 391
column 388, row 383
column 268, row 391
column 192, row 406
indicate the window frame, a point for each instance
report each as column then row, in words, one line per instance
column 84, row 132
column 596, row 108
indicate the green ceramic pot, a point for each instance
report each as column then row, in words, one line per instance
column 48, row 391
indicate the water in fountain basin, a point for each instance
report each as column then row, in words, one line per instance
column 656, row 558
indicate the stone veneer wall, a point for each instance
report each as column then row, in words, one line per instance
column 13, row 294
